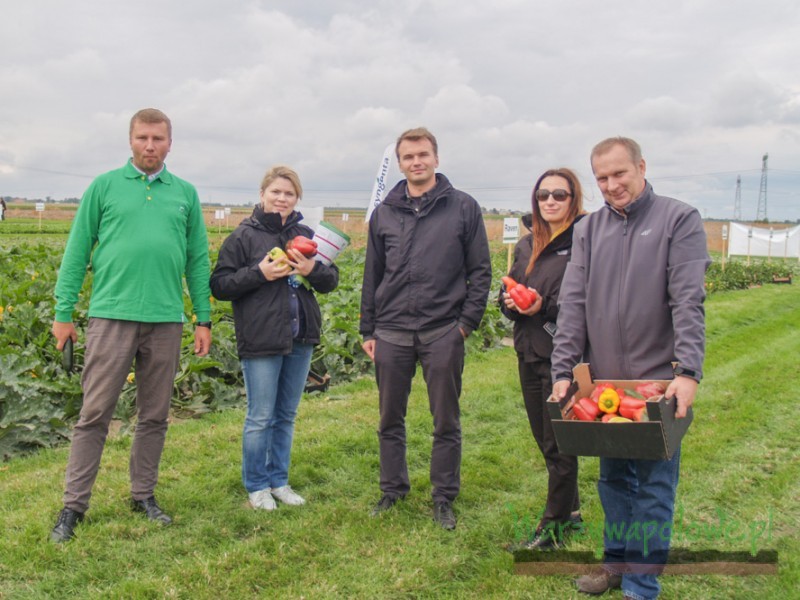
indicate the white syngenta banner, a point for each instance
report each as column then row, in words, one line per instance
column 388, row 175
column 745, row 240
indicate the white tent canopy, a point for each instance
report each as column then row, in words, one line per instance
column 745, row 240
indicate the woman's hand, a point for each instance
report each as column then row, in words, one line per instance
column 299, row 263
column 530, row 311
column 274, row 269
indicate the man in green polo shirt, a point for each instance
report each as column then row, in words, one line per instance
column 142, row 229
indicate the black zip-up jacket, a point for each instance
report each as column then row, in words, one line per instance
column 261, row 311
column 531, row 341
column 425, row 268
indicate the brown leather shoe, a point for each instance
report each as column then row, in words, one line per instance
column 598, row 583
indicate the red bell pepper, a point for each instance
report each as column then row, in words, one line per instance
column 650, row 389
column 585, row 409
column 521, row 295
column 591, row 407
column 580, row 413
column 305, row 246
column 632, row 408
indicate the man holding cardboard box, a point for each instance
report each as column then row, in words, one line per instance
column 631, row 305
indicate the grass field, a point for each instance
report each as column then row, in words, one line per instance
column 740, row 466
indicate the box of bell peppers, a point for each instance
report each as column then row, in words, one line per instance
column 617, row 419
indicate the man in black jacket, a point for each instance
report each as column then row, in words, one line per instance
column 426, row 282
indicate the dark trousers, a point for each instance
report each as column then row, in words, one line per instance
column 111, row 348
column 562, row 470
column 442, row 365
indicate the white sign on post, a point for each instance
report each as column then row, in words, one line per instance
column 227, row 211
column 40, row 207
column 219, row 215
column 510, row 230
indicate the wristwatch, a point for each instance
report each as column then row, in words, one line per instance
column 684, row 372
column 203, row 324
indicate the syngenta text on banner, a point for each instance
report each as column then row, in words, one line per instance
column 388, row 173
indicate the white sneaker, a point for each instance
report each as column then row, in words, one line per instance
column 262, row 499
column 288, row 496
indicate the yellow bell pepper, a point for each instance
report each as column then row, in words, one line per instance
column 608, row 400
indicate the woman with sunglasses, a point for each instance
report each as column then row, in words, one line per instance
column 540, row 259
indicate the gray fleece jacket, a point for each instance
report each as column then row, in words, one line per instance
column 632, row 297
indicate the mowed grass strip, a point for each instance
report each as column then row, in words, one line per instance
column 740, row 468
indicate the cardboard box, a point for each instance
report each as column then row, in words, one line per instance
column 656, row 439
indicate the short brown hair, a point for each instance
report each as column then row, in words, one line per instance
column 414, row 135
column 633, row 148
column 151, row 115
column 286, row 173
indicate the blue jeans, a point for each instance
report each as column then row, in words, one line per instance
column 638, row 498
column 274, row 385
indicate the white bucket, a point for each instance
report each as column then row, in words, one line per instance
column 330, row 242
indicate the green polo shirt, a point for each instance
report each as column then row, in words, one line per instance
column 141, row 237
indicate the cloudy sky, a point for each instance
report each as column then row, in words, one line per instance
column 510, row 88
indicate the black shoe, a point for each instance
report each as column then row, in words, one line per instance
column 65, row 526
column 443, row 514
column 384, row 504
column 151, row 509
column 574, row 523
column 544, row 541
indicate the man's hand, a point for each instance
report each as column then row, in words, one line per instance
column 62, row 331
column 560, row 388
column 369, row 348
column 684, row 388
column 202, row 341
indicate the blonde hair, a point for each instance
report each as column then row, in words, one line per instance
column 286, row 173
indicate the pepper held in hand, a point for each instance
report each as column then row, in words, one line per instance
column 305, row 246
column 522, row 296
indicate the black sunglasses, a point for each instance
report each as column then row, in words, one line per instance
column 558, row 195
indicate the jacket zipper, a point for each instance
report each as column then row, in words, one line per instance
column 623, row 345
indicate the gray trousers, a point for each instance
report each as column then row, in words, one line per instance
column 442, row 365
column 111, row 347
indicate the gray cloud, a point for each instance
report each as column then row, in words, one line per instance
column 510, row 89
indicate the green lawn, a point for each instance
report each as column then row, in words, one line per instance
column 740, row 465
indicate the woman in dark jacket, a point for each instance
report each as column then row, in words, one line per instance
column 540, row 259
column 277, row 321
